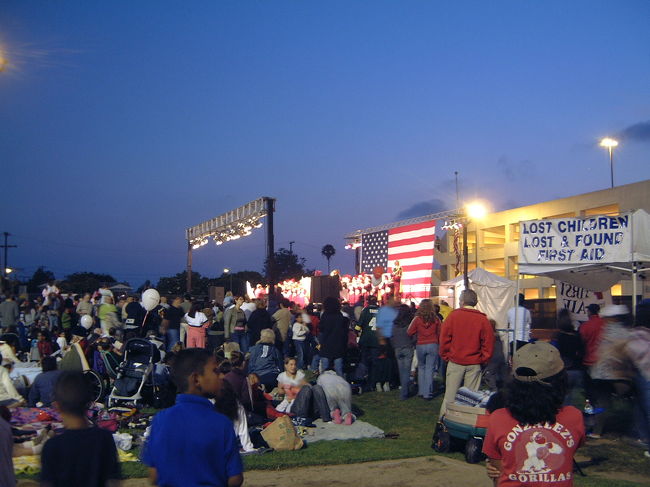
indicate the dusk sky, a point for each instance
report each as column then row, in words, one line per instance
column 122, row 123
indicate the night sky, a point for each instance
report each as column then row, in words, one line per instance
column 122, row 123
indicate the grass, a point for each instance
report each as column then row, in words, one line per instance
column 414, row 421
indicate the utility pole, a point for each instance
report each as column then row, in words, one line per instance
column 291, row 246
column 5, row 266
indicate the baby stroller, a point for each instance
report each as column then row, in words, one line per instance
column 135, row 376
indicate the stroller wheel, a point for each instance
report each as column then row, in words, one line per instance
column 96, row 384
column 441, row 441
column 474, row 450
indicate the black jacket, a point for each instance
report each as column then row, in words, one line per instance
column 259, row 320
column 333, row 335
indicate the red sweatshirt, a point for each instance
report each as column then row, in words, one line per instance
column 466, row 337
column 590, row 332
column 427, row 332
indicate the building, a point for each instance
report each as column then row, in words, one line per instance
column 493, row 243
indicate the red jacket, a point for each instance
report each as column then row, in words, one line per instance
column 590, row 332
column 466, row 337
column 427, row 332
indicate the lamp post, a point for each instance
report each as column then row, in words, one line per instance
column 609, row 144
column 472, row 211
column 227, row 271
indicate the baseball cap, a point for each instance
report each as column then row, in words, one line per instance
column 614, row 310
column 536, row 361
column 594, row 308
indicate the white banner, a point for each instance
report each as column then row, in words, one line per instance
column 595, row 240
column 576, row 299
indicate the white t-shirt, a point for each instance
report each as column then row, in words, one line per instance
column 284, row 378
column 299, row 331
column 523, row 324
column 198, row 320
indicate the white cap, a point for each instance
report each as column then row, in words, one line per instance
column 614, row 310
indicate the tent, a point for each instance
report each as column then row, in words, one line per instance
column 593, row 252
column 495, row 294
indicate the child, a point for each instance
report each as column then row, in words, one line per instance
column 191, row 443
column 533, row 439
column 83, row 454
column 299, row 334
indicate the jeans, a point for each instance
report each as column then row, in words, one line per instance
column 338, row 365
column 173, row 336
column 427, row 356
column 643, row 396
column 404, row 356
column 301, row 352
column 241, row 338
column 311, row 403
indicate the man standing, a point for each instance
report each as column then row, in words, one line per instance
column 466, row 343
column 9, row 312
column 282, row 320
column 523, row 320
column 85, row 307
column 368, row 341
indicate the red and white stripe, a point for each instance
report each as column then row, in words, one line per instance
column 413, row 246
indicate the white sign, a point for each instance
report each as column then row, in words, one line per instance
column 599, row 239
column 576, row 299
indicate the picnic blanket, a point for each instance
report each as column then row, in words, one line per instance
column 31, row 464
column 333, row 431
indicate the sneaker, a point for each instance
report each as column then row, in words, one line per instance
column 378, row 387
column 348, row 420
column 593, row 436
column 386, row 387
column 336, row 416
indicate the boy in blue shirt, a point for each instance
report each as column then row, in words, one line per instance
column 191, row 444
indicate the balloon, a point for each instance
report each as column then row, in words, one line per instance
column 87, row 321
column 150, row 299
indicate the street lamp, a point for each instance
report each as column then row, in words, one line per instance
column 227, row 271
column 472, row 211
column 609, row 144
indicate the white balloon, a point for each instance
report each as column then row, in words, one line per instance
column 87, row 321
column 150, row 299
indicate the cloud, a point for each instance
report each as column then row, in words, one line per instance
column 516, row 171
column 638, row 132
column 422, row 208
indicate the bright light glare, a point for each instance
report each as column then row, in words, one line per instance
column 476, row 210
column 8, row 270
column 226, row 271
column 608, row 142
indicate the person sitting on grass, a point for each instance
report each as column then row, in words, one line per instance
column 83, row 454
column 532, row 440
column 191, row 443
column 9, row 396
column 338, row 394
column 42, row 389
column 289, row 382
column 265, row 360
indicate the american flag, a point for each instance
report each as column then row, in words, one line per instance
column 412, row 246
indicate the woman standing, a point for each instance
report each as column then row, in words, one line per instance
column 333, row 336
column 197, row 323
column 235, row 325
column 426, row 327
column 403, row 345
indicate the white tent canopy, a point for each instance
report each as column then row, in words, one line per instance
column 592, row 252
column 495, row 294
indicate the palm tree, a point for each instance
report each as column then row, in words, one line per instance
column 328, row 251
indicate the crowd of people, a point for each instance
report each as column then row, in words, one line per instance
column 273, row 357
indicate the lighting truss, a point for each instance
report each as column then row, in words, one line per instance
column 232, row 225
